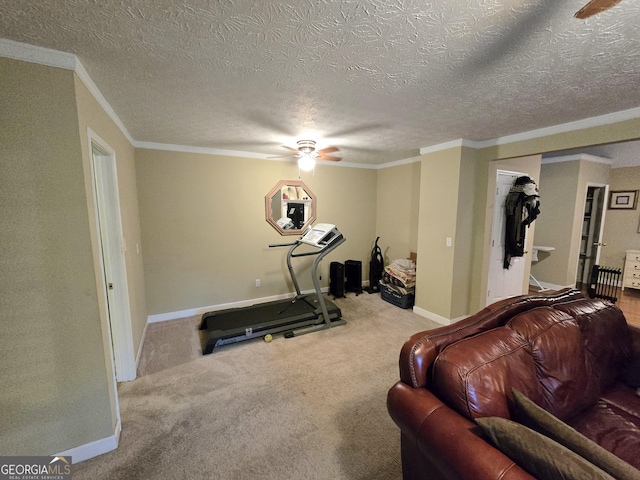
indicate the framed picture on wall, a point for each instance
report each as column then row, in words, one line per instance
column 623, row 200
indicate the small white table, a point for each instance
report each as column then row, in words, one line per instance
column 534, row 258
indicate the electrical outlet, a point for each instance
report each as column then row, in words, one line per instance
column 448, row 241
column 257, row 282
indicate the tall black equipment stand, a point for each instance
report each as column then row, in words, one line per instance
column 336, row 279
column 353, row 272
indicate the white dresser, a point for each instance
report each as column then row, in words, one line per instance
column 631, row 276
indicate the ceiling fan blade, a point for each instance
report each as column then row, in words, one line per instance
column 594, row 7
column 328, row 150
column 287, row 155
column 294, row 153
column 329, row 157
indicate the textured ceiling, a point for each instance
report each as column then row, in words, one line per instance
column 379, row 79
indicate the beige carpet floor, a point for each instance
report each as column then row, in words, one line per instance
column 309, row 407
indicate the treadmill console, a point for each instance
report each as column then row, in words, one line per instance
column 320, row 235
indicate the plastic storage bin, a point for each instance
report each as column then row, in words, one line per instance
column 395, row 298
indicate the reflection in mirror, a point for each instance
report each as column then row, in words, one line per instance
column 290, row 207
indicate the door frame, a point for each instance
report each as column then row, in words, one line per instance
column 496, row 216
column 118, row 316
column 605, row 204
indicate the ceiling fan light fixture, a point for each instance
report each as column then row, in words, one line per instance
column 306, row 162
column 306, row 146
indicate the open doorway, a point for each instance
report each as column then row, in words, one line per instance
column 592, row 229
column 502, row 282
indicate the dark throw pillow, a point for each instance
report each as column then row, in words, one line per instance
column 547, row 424
column 631, row 373
column 538, row 455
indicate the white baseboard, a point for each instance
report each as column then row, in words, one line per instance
column 551, row 286
column 162, row 317
column 141, row 344
column 437, row 318
column 95, row 448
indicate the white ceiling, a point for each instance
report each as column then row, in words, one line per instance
column 379, row 79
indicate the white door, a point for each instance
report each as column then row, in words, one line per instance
column 503, row 283
column 113, row 260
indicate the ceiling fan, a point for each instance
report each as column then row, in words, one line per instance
column 307, row 154
column 594, row 7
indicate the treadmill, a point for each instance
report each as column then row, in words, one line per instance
column 297, row 316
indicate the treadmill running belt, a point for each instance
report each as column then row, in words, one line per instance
column 268, row 312
column 238, row 324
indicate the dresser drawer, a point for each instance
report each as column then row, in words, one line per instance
column 633, row 257
column 631, row 269
column 631, row 283
column 631, row 275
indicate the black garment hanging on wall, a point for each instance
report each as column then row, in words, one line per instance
column 521, row 208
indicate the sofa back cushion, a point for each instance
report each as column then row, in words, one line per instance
column 475, row 375
column 603, row 326
column 562, row 366
column 539, row 352
column 422, row 348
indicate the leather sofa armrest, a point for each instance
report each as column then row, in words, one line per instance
column 449, row 442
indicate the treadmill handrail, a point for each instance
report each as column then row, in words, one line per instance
column 314, row 276
column 272, row 245
column 319, row 251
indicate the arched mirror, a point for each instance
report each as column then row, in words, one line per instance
column 290, row 207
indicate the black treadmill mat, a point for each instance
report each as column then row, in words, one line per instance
column 265, row 313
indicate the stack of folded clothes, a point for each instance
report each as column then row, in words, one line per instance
column 399, row 282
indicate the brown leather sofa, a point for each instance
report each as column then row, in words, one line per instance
column 564, row 352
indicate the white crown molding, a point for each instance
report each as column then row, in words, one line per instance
column 590, row 122
column 207, row 151
column 93, row 89
column 238, row 153
column 366, row 166
column 40, row 55
column 67, row 61
column 398, row 163
column 461, row 142
column 579, row 156
column 54, row 58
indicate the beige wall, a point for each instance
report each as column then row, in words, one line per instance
column 463, row 245
column 447, row 189
column 398, row 201
column 616, row 132
column 91, row 115
column 563, row 190
column 558, row 198
column 204, row 234
column 586, row 137
column 204, row 240
column 621, row 226
column 55, row 386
